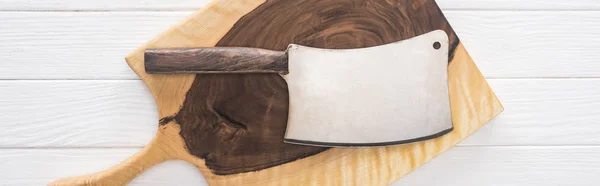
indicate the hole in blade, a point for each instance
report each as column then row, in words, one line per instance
column 437, row 45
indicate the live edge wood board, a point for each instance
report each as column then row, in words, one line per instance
column 231, row 126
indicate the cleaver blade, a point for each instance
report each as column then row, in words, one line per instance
column 377, row 96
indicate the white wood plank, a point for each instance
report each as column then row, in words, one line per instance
column 75, row 45
column 543, row 112
column 460, row 166
column 509, row 166
column 119, row 113
column 531, row 44
column 92, row 45
column 34, row 167
column 123, row 114
column 122, row 5
column 519, row 4
column 38, row 5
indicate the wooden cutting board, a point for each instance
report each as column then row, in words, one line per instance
column 231, row 126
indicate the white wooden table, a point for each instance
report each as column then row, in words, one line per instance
column 70, row 105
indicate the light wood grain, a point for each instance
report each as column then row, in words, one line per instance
column 476, row 166
column 37, row 5
column 91, row 45
column 531, row 117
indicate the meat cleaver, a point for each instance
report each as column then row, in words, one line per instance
column 377, row 96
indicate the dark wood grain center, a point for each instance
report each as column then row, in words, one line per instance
column 237, row 121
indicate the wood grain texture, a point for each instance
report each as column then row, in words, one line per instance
column 161, row 5
column 237, row 125
column 472, row 100
column 72, row 37
column 215, row 60
column 259, row 102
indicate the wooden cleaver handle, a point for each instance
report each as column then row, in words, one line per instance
column 215, row 60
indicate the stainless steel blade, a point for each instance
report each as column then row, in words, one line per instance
column 384, row 95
